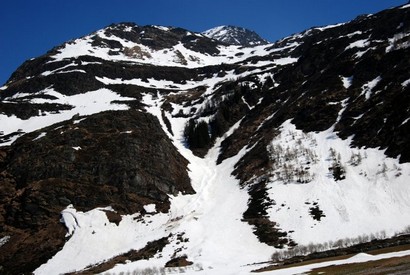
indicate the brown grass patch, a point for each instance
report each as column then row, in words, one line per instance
column 396, row 265
column 343, row 257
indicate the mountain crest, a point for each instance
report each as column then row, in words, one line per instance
column 233, row 35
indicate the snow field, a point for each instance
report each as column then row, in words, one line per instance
column 372, row 198
column 164, row 57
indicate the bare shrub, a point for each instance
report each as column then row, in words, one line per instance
column 406, row 230
column 303, row 250
column 355, row 159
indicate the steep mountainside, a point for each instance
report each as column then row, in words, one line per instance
column 140, row 147
column 232, row 35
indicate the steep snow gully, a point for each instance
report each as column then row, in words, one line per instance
column 209, row 219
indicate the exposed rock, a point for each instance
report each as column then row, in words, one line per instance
column 104, row 160
column 179, row 262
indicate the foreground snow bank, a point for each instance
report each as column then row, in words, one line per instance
column 95, row 239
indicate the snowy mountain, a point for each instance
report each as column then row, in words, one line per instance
column 232, row 35
column 157, row 149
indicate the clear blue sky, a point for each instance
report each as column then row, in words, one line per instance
column 30, row 28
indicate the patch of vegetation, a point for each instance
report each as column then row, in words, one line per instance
column 356, row 159
column 197, row 134
column 266, row 230
column 179, row 262
column 316, row 212
column 292, row 163
column 337, row 169
column 302, row 262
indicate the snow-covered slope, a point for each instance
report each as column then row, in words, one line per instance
column 159, row 147
column 177, row 55
column 303, row 180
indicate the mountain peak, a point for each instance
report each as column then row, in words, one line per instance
column 235, row 36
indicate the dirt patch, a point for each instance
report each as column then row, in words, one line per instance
column 113, row 217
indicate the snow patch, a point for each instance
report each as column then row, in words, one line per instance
column 358, row 44
column 4, row 240
column 405, row 83
column 405, row 121
column 150, row 208
column 347, row 81
column 398, row 41
column 47, row 73
column 41, row 135
column 367, row 89
column 162, row 28
column 329, row 27
column 285, row 60
column 68, row 217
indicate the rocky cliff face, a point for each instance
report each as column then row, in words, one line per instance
column 101, row 160
column 152, row 121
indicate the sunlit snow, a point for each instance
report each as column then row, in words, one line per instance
column 83, row 104
column 374, row 183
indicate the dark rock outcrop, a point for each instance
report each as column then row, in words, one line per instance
column 121, row 159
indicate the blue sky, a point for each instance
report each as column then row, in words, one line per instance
column 30, row 28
